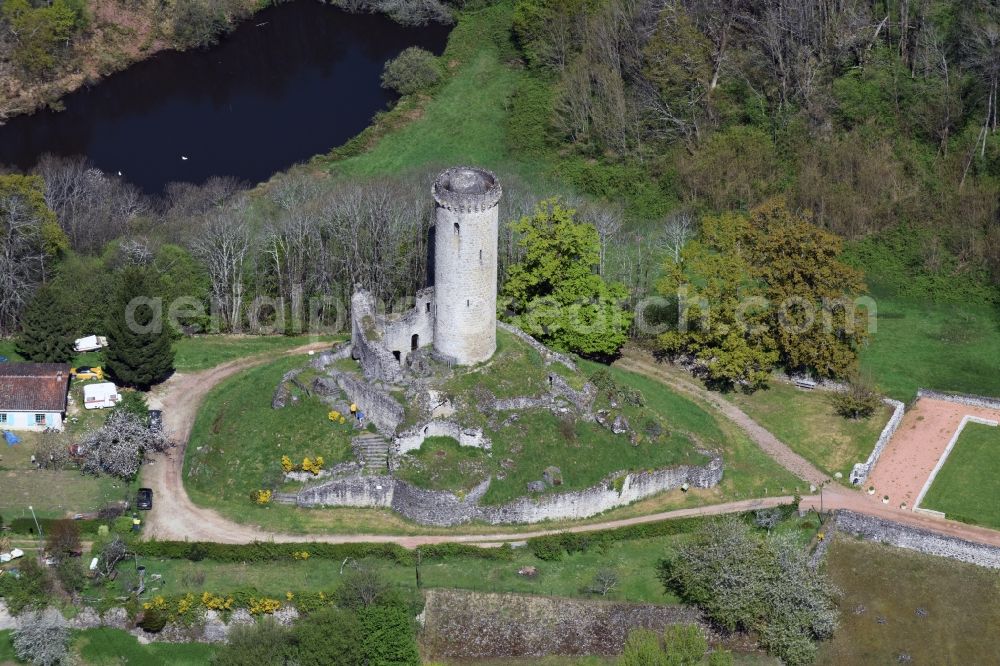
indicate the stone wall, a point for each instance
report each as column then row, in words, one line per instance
column 914, row 538
column 413, row 438
column 860, row 471
column 468, row 625
column 548, row 354
column 962, row 399
column 377, row 404
column 376, row 361
column 441, row 509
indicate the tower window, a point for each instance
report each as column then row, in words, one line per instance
column 398, row 356
column 468, row 303
column 428, row 306
column 480, row 256
column 456, row 228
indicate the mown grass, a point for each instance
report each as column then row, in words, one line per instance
column 7, row 655
column 238, row 440
column 110, row 647
column 946, row 347
column 968, row 486
column 883, row 589
column 207, row 351
column 808, row 423
column 514, row 370
column 441, row 463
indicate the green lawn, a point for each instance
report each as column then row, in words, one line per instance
column 441, row 463
column 111, row 647
column 208, row 351
column 891, row 584
column 946, row 347
column 238, row 440
column 808, row 423
column 968, row 486
column 6, row 649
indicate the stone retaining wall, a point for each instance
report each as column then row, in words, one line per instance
column 377, row 404
column 915, row 538
column 442, row 509
column 962, row 399
column 860, row 471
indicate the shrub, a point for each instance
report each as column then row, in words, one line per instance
column 261, row 497
column 153, row 620
column 413, row 70
column 859, row 401
column 263, row 643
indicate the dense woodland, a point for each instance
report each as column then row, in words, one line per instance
column 671, row 128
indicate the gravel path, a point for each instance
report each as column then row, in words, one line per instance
column 644, row 363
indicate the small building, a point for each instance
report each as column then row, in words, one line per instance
column 33, row 395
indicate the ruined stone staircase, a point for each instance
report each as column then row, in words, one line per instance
column 373, row 450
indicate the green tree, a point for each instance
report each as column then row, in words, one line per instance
column 41, row 33
column 328, row 636
column 764, row 289
column 388, row 636
column 47, row 334
column 413, row 70
column 139, row 352
column 555, row 293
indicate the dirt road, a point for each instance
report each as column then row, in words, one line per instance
column 175, row 516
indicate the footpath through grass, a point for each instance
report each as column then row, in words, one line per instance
column 968, row 486
column 808, row 423
column 898, row 604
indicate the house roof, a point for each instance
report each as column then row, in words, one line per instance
column 33, row 387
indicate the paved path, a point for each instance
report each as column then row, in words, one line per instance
column 175, row 516
column 644, row 363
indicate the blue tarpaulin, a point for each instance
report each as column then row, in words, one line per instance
column 11, row 438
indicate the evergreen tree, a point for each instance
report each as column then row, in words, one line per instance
column 139, row 351
column 46, row 331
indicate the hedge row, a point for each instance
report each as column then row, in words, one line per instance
column 27, row 525
column 262, row 551
column 552, row 547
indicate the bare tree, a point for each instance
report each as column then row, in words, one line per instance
column 42, row 637
column 608, row 222
column 22, row 257
column 605, row 580
column 119, row 446
column 677, row 230
column 223, row 247
column 111, row 555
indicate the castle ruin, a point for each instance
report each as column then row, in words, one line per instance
column 456, row 316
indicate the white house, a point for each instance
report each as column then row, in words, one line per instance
column 33, row 395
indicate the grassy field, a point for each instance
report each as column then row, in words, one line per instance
column 968, row 486
column 944, row 347
column 238, row 440
column 441, row 463
column 208, row 351
column 897, row 602
column 6, row 649
column 809, row 424
column 111, row 647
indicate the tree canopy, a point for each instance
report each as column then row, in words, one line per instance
column 555, row 292
column 140, row 351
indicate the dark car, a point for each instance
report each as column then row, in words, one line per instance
column 144, row 499
column 155, row 420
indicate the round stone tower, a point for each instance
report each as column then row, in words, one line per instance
column 465, row 264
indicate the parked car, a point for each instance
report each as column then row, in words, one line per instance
column 156, row 420
column 144, row 499
column 87, row 372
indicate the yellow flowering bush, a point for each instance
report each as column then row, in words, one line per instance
column 157, row 603
column 216, row 603
column 313, row 466
column 335, row 416
column 261, row 497
column 286, row 464
column 301, row 555
column 289, row 596
column 263, row 606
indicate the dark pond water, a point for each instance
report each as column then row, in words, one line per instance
column 293, row 81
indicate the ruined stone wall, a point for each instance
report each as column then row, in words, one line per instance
column 913, row 538
column 376, row 361
column 413, row 438
column 469, row 625
column 378, row 405
column 860, row 471
column 547, row 354
column 438, row 508
column 962, row 399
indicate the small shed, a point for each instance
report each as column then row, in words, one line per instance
column 100, row 396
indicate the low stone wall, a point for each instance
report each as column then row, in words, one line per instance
column 967, row 419
column 378, row 405
column 914, row 538
column 962, row 399
column 470, row 625
column 439, row 508
column 547, row 354
column 412, row 439
column 860, row 471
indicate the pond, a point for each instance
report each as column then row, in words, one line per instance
column 295, row 80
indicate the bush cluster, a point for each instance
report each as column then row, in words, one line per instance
column 413, row 70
